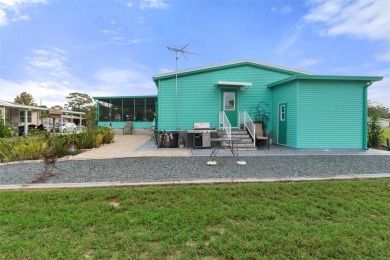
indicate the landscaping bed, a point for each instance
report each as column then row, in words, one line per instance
column 42, row 144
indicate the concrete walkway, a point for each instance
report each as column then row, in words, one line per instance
column 128, row 146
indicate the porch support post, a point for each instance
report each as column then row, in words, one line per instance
column 25, row 122
column 3, row 115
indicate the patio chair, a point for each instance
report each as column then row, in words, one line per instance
column 128, row 128
column 260, row 134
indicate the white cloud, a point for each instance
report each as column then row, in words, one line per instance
column 153, row 4
column 3, row 17
column 286, row 9
column 125, row 79
column 163, row 70
column 10, row 10
column 288, row 41
column 379, row 91
column 21, row 18
column 119, row 40
column 283, row 10
column 308, row 63
column 50, row 92
column 49, row 61
column 50, row 78
column 366, row 19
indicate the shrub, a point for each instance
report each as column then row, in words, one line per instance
column 37, row 146
column 5, row 131
column 375, row 133
column 37, row 132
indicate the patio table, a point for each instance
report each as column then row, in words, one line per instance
column 216, row 144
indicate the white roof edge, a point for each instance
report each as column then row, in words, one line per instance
column 4, row 103
column 14, row 105
column 233, row 83
column 72, row 112
column 232, row 63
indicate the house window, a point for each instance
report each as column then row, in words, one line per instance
column 21, row 116
column 282, row 113
column 229, row 101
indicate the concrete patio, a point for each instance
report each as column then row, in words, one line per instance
column 143, row 146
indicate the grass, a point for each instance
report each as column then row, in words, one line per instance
column 386, row 133
column 337, row 219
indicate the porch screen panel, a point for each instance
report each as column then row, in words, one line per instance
column 140, row 109
column 104, row 109
column 150, row 109
column 128, row 109
column 116, row 110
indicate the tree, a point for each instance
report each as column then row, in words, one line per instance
column 378, row 109
column 79, row 102
column 375, row 133
column 82, row 103
column 25, row 99
column 5, row 131
column 57, row 107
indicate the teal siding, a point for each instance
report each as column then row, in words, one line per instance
column 331, row 115
column 285, row 93
column 199, row 100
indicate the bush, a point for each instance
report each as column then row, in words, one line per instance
column 38, row 146
column 5, row 131
column 375, row 133
column 37, row 132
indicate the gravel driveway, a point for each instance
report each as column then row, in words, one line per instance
column 137, row 169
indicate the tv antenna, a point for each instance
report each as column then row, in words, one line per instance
column 182, row 50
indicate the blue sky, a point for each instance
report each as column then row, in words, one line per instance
column 51, row 48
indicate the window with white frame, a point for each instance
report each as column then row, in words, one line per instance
column 21, row 116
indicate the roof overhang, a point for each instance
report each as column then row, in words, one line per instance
column 367, row 79
column 20, row 106
column 234, row 84
column 242, row 86
column 290, row 71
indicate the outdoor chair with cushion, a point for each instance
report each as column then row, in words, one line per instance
column 260, row 137
column 128, row 128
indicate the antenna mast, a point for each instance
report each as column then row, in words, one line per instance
column 182, row 50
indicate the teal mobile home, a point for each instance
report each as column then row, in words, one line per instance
column 302, row 110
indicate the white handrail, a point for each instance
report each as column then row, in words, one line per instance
column 250, row 126
column 225, row 124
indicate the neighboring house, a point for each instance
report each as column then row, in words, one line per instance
column 306, row 111
column 16, row 115
column 115, row 111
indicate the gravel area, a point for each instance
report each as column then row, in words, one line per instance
column 193, row 168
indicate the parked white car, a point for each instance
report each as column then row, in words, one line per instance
column 66, row 127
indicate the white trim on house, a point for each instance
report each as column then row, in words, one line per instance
column 20, row 106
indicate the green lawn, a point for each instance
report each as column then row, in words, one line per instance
column 335, row 219
column 386, row 133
